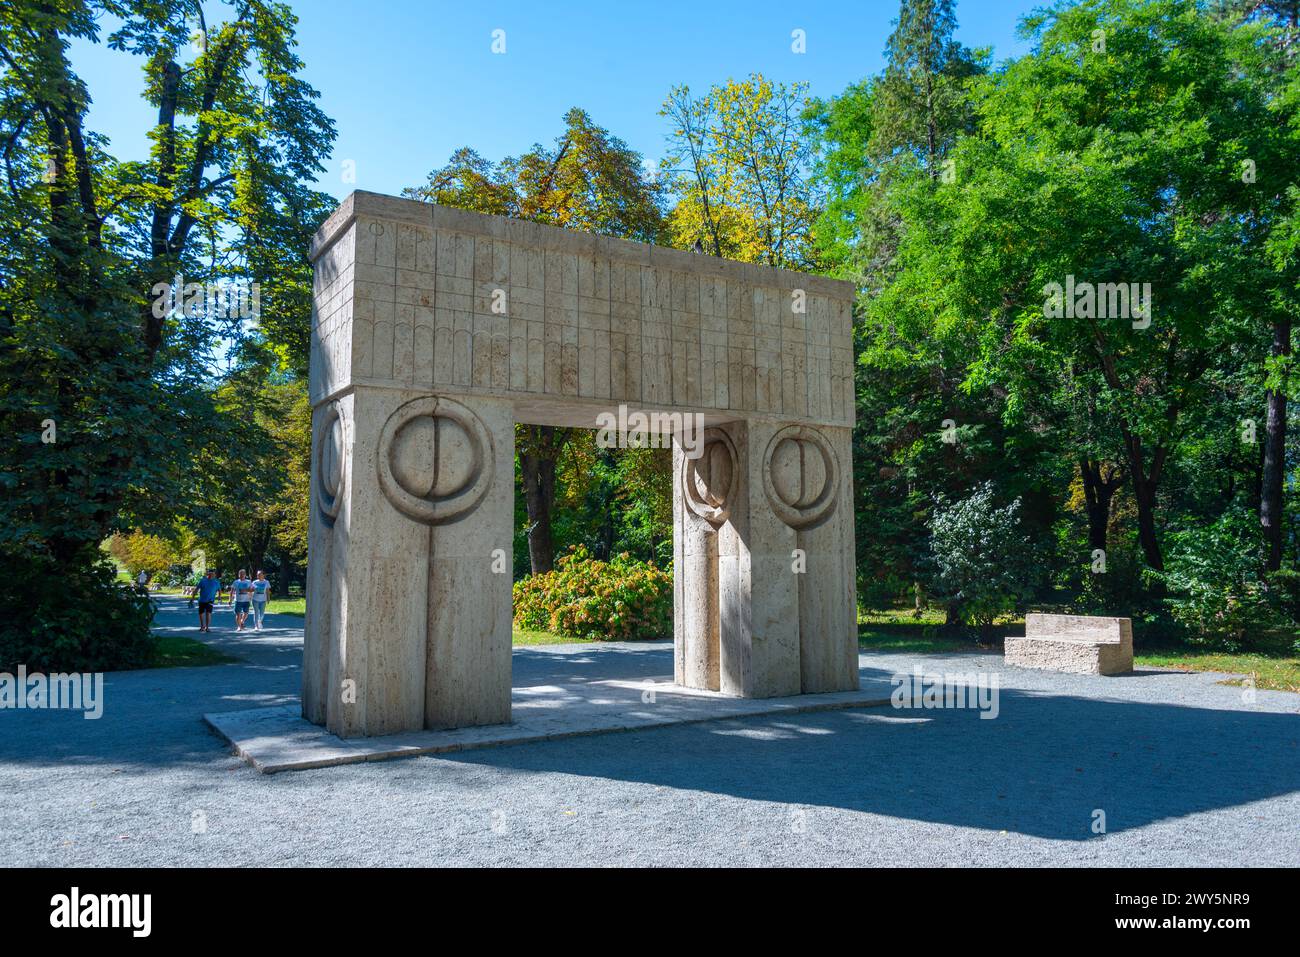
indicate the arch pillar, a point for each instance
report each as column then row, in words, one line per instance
column 764, row 583
column 408, row 597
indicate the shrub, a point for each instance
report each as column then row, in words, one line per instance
column 594, row 600
column 984, row 564
column 77, row 617
column 1284, row 592
column 1215, row 589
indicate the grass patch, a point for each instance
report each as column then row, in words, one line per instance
column 923, row 640
column 178, row 651
column 287, row 606
column 522, row 636
column 902, row 629
column 1274, row 662
column 905, row 617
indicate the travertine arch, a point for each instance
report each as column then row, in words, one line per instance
column 435, row 330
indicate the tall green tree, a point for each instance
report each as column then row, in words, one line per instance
column 919, row 437
column 247, row 494
column 102, row 381
column 1111, row 155
column 1284, row 17
column 920, row 101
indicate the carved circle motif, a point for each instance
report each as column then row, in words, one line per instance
column 330, row 473
column 435, row 459
column 708, row 479
column 800, row 476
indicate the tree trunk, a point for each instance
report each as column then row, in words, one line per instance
column 1274, row 472
column 1097, row 493
column 257, row 554
column 1144, row 491
column 1145, row 484
column 537, row 464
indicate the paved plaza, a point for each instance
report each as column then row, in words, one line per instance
column 1185, row 770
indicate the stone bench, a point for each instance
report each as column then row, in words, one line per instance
column 1073, row 643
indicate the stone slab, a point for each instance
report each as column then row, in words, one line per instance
column 569, row 325
column 1075, row 644
column 279, row 739
column 1079, row 656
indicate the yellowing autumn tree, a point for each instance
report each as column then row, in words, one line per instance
column 738, row 161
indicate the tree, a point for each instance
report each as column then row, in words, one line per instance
column 140, row 552
column 589, row 180
column 249, row 492
column 1106, row 158
column 1284, row 17
column 984, row 562
column 920, row 102
column 102, row 379
column 739, row 161
column 874, row 139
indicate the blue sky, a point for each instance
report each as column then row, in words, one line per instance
column 409, row 81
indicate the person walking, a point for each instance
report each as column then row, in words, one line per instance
column 261, row 592
column 209, row 587
column 241, row 590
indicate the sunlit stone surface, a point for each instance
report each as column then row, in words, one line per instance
column 436, row 330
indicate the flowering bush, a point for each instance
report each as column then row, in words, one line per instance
column 594, row 600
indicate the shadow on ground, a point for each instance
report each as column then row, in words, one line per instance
column 1059, row 750
column 1041, row 768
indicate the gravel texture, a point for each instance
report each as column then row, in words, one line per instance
column 1185, row 769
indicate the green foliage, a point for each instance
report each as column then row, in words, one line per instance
column 106, row 393
column 248, row 494
column 1115, row 152
column 1284, row 594
column 73, row 617
column 1216, row 591
column 984, row 563
column 615, row 500
column 141, row 552
column 590, row 180
column 589, row 599
column 920, row 101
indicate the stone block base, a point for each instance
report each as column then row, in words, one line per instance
column 1078, row 656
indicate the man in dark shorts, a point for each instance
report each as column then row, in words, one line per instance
column 207, row 592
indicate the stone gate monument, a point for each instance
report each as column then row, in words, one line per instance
column 435, row 330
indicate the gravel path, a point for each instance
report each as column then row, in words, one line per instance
column 1185, row 770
